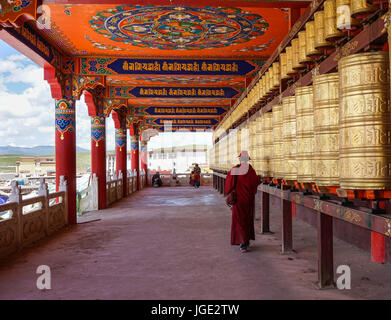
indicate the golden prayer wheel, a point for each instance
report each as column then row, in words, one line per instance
column 303, row 59
column 253, row 144
column 283, row 66
column 276, row 75
column 257, row 146
column 326, row 130
column 344, row 15
column 295, row 55
column 365, row 122
column 360, row 7
column 310, row 40
column 331, row 33
column 320, row 39
column 277, row 154
column 267, row 145
column 304, row 133
column 269, row 81
column 289, row 138
column 289, row 61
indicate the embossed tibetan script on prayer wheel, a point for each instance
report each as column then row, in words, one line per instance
column 331, row 33
column 360, row 7
column 326, row 130
column 305, row 133
column 320, row 38
column 303, row 59
column 311, row 52
column 365, row 122
column 344, row 15
column 289, row 138
column 277, row 155
column 267, row 144
column 283, row 73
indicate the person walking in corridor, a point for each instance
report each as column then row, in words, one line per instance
column 243, row 180
column 197, row 176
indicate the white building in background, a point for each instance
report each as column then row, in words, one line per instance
column 181, row 158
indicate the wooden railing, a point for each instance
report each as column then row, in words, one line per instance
column 326, row 210
column 182, row 179
column 31, row 219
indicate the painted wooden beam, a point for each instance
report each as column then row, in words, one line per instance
column 199, row 3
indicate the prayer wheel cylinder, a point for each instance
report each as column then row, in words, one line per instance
column 305, row 133
column 326, row 129
column 277, row 155
column 289, row 138
column 365, row 122
column 289, row 61
column 303, row 59
column 268, row 82
column 267, row 144
column 276, row 75
column 257, row 146
column 360, row 7
column 344, row 15
column 310, row 40
column 320, row 39
column 295, row 55
column 331, row 32
column 253, row 145
column 283, row 66
column 260, row 88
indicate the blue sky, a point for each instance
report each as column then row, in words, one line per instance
column 27, row 110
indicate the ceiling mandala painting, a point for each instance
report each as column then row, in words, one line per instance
column 180, row 31
column 173, row 27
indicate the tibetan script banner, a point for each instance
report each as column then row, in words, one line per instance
column 34, row 41
column 167, row 66
column 204, row 122
column 176, row 128
column 180, row 111
column 173, row 92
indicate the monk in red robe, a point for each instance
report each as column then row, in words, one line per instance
column 242, row 228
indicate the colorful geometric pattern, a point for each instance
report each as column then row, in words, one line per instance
column 65, row 116
column 143, row 146
column 98, row 127
column 120, row 138
column 134, row 143
column 178, row 27
column 135, row 80
column 12, row 9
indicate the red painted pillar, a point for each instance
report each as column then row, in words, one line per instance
column 65, row 139
column 134, row 150
column 120, row 156
column 144, row 158
column 98, row 156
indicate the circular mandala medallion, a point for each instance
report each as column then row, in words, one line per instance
column 173, row 27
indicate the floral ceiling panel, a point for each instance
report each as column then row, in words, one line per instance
column 157, row 31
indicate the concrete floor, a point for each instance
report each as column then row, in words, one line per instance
column 173, row 243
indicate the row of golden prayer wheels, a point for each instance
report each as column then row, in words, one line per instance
column 328, row 25
column 335, row 133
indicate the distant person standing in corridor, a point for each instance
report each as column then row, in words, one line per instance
column 247, row 181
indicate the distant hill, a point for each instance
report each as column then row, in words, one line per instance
column 34, row 151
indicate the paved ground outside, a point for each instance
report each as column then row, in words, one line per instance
column 173, row 243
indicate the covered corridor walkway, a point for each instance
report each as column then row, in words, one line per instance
column 173, row 243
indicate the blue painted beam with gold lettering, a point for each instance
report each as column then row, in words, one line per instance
column 173, row 92
column 204, row 122
column 156, row 111
column 131, row 66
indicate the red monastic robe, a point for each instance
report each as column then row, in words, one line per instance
column 242, row 228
